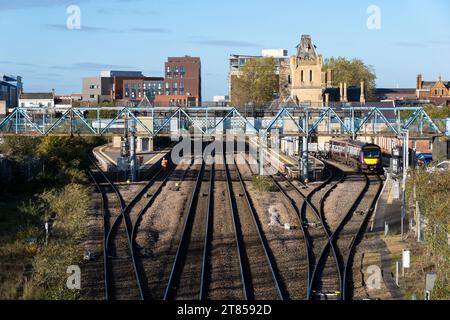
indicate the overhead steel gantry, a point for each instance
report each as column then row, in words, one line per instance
column 298, row 121
column 295, row 121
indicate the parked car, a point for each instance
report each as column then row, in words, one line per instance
column 441, row 167
column 424, row 159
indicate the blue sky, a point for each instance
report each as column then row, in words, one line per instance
column 140, row 35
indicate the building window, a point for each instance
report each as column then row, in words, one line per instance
column 175, row 73
column 175, row 88
column 182, row 72
column 92, row 96
column 182, row 88
column 310, row 76
column 302, row 77
column 169, row 73
column 168, row 88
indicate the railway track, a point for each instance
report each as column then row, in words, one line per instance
column 315, row 229
column 136, row 212
column 119, row 263
column 357, row 226
column 326, row 276
column 226, row 279
column 204, row 267
column 343, row 239
column 290, row 276
column 122, row 275
column 263, row 281
column 330, row 249
column 186, row 277
column 222, row 252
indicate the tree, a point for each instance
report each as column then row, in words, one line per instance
column 20, row 147
column 257, row 83
column 436, row 112
column 353, row 72
column 62, row 152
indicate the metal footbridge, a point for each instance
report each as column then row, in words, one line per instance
column 296, row 121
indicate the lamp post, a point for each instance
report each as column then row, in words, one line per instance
column 305, row 152
column 405, row 134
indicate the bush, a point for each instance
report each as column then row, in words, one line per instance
column 264, row 184
column 69, row 207
column 433, row 196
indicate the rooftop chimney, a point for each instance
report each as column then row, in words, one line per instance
column 419, row 82
column 327, row 100
column 345, row 92
column 362, row 98
column 330, row 78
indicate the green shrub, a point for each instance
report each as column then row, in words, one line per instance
column 433, row 196
column 264, row 184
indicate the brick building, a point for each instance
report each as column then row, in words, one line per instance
column 138, row 89
column 437, row 92
column 182, row 82
column 108, row 86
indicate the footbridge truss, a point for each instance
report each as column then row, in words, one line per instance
column 295, row 121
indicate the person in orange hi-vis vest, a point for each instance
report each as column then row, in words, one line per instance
column 164, row 163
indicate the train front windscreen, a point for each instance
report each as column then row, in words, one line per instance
column 372, row 153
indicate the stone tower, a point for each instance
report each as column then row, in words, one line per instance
column 307, row 78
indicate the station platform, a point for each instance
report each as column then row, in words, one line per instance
column 108, row 157
column 289, row 164
column 388, row 211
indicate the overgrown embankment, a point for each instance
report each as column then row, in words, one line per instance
column 433, row 196
column 45, row 183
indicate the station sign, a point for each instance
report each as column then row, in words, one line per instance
column 406, row 259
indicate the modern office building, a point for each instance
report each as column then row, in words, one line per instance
column 98, row 89
column 108, row 86
column 138, row 89
column 10, row 89
column 183, row 80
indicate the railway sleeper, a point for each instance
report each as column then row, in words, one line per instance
column 316, row 225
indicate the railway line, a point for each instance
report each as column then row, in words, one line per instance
column 330, row 247
column 264, row 282
column 221, row 250
column 357, row 227
column 315, row 229
column 186, row 278
column 343, row 238
column 286, row 249
column 204, row 266
column 119, row 264
column 122, row 271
